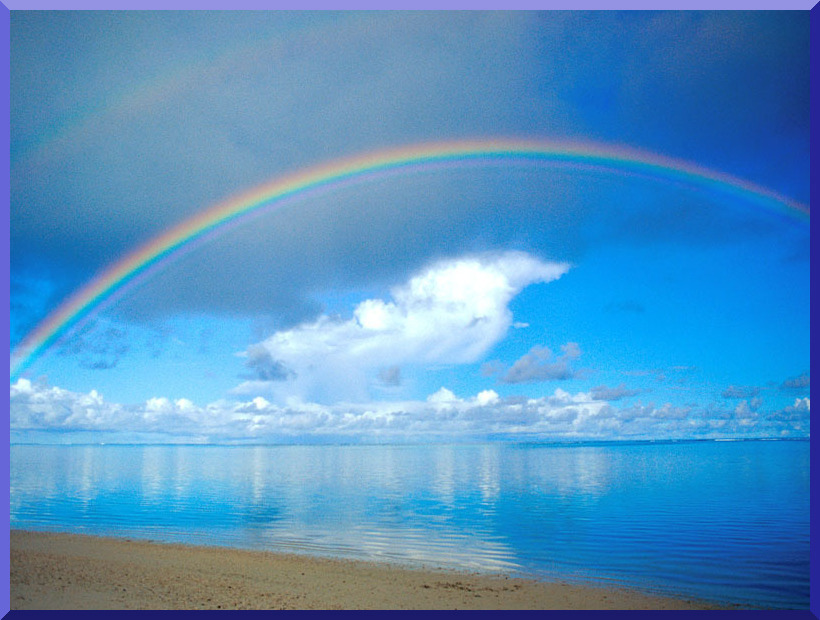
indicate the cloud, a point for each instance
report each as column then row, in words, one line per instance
column 799, row 411
column 177, row 132
column 679, row 375
column 37, row 406
column 98, row 346
column 264, row 367
column 539, row 364
column 747, row 409
column 442, row 416
column 390, row 376
column 451, row 312
column 737, row 391
column 152, row 152
column 602, row 392
column 488, row 369
column 170, row 111
column 442, row 397
column 797, row 383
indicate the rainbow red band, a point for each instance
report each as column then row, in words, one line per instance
column 360, row 169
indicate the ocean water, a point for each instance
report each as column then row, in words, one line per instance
column 721, row 521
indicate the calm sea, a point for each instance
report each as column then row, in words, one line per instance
column 726, row 521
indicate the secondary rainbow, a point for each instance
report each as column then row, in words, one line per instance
column 359, row 169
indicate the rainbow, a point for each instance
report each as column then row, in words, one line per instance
column 155, row 254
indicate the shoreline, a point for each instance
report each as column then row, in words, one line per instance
column 77, row 571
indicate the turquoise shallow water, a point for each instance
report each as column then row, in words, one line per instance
column 725, row 521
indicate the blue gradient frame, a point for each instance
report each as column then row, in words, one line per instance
column 359, row 4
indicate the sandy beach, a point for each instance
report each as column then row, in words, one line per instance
column 61, row 571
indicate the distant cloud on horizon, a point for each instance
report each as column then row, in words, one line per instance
column 37, row 410
column 738, row 391
column 602, row 392
column 797, row 383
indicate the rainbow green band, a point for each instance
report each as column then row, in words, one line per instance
column 360, row 169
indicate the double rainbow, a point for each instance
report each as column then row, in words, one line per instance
column 358, row 169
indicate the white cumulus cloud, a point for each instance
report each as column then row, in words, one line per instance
column 452, row 312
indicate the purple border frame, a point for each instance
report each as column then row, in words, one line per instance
column 8, row 5
column 710, row 5
column 5, row 171
column 814, row 194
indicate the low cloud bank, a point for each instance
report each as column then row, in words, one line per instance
column 37, row 408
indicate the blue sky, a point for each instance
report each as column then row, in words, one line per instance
column 498, row 302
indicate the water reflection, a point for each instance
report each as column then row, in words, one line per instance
column 490, row 482
column 444, row 472
column 726, row 522
column 151, row 468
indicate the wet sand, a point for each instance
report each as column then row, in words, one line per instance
column 62, row 571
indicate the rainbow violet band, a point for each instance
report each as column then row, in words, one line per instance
column 151, row 256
